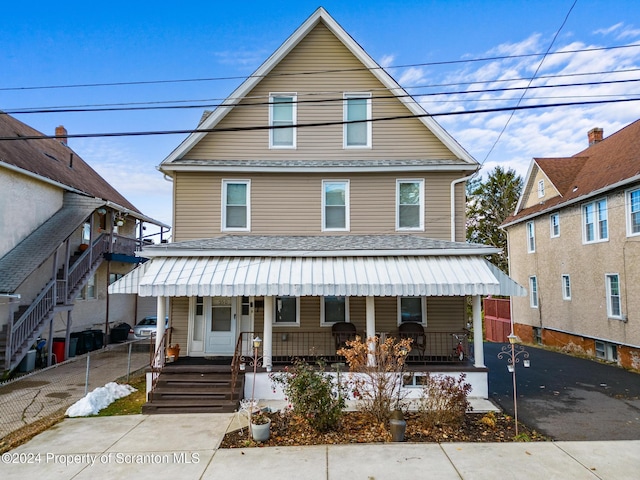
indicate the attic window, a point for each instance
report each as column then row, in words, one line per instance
column 540, row 188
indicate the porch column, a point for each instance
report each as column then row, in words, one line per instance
column 477, row 332
column 371, row 323
column 267, row 341
column 161, row 314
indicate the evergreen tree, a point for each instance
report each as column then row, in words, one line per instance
column 489, row 202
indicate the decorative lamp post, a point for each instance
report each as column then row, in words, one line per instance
column 512, row 352
column 256, row 360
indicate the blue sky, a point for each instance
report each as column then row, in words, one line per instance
column 69, row 43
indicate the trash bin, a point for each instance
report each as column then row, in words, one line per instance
column 58, row 349
column 119, row 333
column 73, row 346
column 98, row 339
column 28, row 363
column 80, row 341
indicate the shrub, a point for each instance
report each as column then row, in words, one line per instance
column 377, row 383
column 444, row 400
column 313, row 394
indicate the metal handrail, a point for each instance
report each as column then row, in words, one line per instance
column 157, row 359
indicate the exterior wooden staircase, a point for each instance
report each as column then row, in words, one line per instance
column 183, row 387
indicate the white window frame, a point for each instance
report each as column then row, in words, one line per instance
column 540, row 188
column 534, row 300
column 423, row 306
column 356, row 95
column 597, row 221
column 223, row 224
column 630, row 211
column 275, row 312
column 566, row 287
column 531, row 237
column 323, row 321
column 554, row 226
column 90, row 290
column 294, row 116
column 347, row 195
column 420, row 182
column 610, row 296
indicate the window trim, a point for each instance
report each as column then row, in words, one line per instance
column 423, row 306
column 566, row 286
column 275, row 312
column 551, row 225
column 596, row 221
column 223, row 218
column 541, row 188
column 346, row 96
column 347, row 205
column 294, row 117
column 420, row 227
column 629, row 212
column 608, row 277
column 534, row 296
column 323, row 322
column 531, row 237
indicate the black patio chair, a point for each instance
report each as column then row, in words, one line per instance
column 343, row 332
column 414, row 331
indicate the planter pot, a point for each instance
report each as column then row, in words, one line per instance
column 261, row 433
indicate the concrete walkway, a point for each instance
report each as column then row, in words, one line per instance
column 185, row 446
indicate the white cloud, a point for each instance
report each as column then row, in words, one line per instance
column 387, row 60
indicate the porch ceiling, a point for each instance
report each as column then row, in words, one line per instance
column 307, row 276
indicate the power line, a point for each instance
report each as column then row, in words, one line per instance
column 318, row 72
column 314, row 124
column 129, row 107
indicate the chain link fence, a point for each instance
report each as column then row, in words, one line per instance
column 50, row 391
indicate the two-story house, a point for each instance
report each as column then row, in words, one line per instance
column 574, row 239
column 320, row 193
column 66, row 233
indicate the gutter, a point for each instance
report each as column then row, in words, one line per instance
column 453, row 202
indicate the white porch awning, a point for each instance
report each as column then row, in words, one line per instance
column 449, row 275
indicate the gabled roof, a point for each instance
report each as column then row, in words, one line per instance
column 320, row 15
column 609, row 164
column 53, row 161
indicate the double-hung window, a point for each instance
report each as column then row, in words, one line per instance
column 595, row 222
column 357, row 116
column 566, row 287
column 533, row 291
column 287, row 311
column 236, row 207
column 282, row 120
column 410, row 204
column 334, row 309
column 633, row 212
column 412, row 309
column 335, row 205
column 613, row 296
column 554, row 221
column 540, row 188
column 531, row 237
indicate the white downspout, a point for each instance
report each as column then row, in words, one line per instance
column 453, row 202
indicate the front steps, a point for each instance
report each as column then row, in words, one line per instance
column 184, row 388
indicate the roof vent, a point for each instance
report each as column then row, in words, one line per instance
column 595, row 135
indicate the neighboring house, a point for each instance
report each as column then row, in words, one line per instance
column 66, row 233
column 575, row 241
column 329, row 215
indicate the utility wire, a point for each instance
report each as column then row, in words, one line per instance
column 318, row 72
column 314, row 124
column 530, row 82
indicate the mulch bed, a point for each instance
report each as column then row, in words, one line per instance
column 358, row 427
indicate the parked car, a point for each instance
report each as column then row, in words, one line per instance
column 146, row 328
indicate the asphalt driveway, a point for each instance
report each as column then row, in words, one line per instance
column 568, row 398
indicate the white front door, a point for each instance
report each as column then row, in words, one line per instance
column 220, row 326
column 197, row 326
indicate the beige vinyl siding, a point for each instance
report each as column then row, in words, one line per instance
column 179, row 320
column 321, row 52
column 291, row 204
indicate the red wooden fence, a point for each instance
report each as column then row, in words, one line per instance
column 497, row 319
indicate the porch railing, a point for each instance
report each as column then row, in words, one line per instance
column 157, row 360
column 440, row 347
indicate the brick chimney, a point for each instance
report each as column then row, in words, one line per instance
column 61, row 133
column 595, row 136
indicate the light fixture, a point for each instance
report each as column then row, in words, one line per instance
column 256, row 342
column 510, row 367
column 526, row 363
column 102, row 211
column 512, row 338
